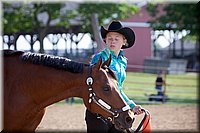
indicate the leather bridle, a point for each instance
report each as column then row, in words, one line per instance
column 100, row 102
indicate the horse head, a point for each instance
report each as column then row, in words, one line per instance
column 104, row 97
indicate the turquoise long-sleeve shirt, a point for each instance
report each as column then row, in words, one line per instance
column 118, row 65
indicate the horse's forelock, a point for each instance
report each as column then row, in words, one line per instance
column 110, row 71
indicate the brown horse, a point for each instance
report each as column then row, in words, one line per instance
column 34, row 81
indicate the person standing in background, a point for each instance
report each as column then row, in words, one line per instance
column 159, row 84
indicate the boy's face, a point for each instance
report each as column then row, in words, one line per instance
column 115, row 41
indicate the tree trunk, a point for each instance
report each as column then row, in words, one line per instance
column 16, row 36
column 41, row 38
column 182, row 48
column 95, row 27
column 174, row 48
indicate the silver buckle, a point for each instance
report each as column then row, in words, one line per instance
column 89, row 81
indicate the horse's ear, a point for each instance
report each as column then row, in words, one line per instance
column 99, row 63
column 108, row 61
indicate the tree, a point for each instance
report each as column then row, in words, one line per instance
column 20, row 17
column 178, row 17
column 96, row 14
column 105, row 11
column 23, row 18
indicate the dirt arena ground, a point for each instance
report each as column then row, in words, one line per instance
column 164, row 117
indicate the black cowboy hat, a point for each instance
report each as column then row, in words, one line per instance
column 116, row 26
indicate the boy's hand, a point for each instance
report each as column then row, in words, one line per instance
column 137, row 110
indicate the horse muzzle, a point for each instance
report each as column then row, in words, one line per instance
column 124, row 120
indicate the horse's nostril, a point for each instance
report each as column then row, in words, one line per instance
column 129, row 120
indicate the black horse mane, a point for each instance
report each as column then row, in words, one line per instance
column 54, row 61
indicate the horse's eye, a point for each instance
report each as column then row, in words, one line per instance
column 106, row 88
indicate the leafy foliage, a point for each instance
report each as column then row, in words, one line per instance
column 22, row 17
column 108, row 11
column 178, row 17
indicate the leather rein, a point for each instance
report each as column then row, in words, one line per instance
column 100, row 102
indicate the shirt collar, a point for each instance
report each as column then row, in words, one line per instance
column 108, row 52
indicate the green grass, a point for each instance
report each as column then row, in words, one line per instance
column 77, row 101
column 181, row 88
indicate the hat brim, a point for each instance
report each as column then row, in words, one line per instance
column 126, row 32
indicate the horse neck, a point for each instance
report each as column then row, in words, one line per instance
column 55, row 85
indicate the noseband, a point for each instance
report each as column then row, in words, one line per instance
column 100, row 102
